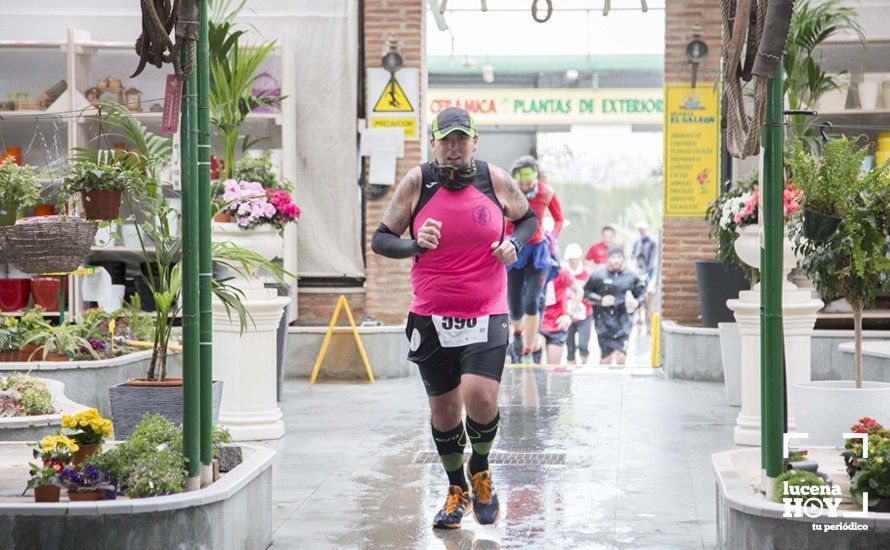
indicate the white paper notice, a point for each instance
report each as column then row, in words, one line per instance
column 382, row 138
column 383, row 167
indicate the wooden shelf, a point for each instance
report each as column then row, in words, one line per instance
column 124, row 249
column 20, row 313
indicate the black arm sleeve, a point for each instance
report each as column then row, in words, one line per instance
column 525, row 227
column 386, row 243
column 590, row 290
column 639, row 289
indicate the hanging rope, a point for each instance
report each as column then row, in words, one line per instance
column 535, row 11
column 740, row 32
column 154, row 45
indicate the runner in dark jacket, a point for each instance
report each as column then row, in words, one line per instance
column 611, row 290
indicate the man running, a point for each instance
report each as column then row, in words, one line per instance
column 582, row 315
column 598, row 254
column 562, row 296
column 613, row 289
column 455, row 209
column 526, row 278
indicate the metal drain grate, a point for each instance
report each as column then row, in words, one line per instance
column 518, row 459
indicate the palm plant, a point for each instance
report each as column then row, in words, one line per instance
column 805, row 80
column 234, row 67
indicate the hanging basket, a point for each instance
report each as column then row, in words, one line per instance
column 48, row 244
column 819, row 227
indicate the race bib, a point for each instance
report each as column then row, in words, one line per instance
column 454, row 332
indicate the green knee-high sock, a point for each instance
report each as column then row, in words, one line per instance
column 450, row 446
column 481, row 438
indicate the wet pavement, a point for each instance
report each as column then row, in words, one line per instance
column 615, row 459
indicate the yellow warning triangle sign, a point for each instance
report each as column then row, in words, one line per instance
column 393, row 99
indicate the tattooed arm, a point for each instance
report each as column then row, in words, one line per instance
column 387, row 240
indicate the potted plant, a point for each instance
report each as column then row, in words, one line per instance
column 825, row 180
column 872, row 474
column 87, row 484
column 258, row 216
column 14, row 331
column 19, row 188
column 805, row 81
column 89, row 430
column 724, row 277
column 747, row 216
column 100, row 186
column 234, row 68
column 854, row 264
column 60, row 343
column 55, row 454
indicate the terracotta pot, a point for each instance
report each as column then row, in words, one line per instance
column 101, row 205
column 51, row 356
column 9, row 213
column 86, row 495
column 223, row 217
column 169, row 382
column 83, row 453
column 25, row 353
column 49, row 493
column 45, row 210
column 14, row 294
column 45, row 291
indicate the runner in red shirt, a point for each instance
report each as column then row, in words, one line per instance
column 527, row 277
column 598, row 254
column 563, row 294
column 582, row 316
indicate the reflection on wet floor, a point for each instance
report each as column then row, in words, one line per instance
column 636, row 470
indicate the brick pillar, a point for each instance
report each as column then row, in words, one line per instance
column 686, row 239
column 388, row 286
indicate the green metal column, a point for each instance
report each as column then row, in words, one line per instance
column 771, row 334
column 191, row 367
column 206, row 261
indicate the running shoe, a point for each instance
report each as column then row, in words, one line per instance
column 457, row 505
column 486, row 508
column 516, row 348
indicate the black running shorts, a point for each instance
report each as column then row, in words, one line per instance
column 441, row 368
column 557, row 338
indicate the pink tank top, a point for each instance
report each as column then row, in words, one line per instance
column 461, row 278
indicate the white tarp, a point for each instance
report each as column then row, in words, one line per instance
column 325, row 38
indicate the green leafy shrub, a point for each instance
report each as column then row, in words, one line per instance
column 261, row 170
column 90, row 176
column 798, row 479
column 31, row 396
column 156, row 474
column 151, row 462
column 37, row 400
column 18, row 184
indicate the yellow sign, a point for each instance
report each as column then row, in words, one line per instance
column 393, row 99
column 407, row 124
column 691, row 149
column 341, row 304
column 552, row 106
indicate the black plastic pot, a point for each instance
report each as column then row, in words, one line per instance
column 818, row 226
column 146, row 298
column 718, row 283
